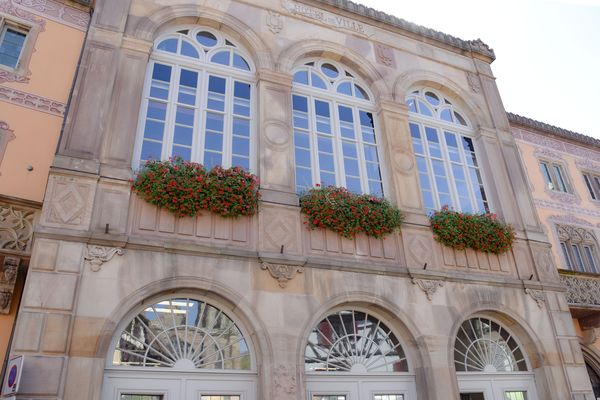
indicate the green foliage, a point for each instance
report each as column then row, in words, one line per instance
column 481, row 232
column 347, row 213
column 185, row 188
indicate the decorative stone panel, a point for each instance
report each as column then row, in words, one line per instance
column 8, row 279
column 326, row 243
column 16, row 227
column 207, row 228
column 280, row 229
column 582, row 291
column 478, row 261
column 68, row 202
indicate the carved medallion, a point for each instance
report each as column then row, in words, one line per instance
column 474, row 82
column 281, row 272
column 428, row 286
column 537, row 295
column 274, row 22
column 384, row 55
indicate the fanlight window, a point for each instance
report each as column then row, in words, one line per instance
column 182, row 333
column 197, row 101
column 482, row 345
column 448, row 166
column 334, row 130
column 354, row 341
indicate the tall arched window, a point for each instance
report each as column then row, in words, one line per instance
column 449, row 169
column 352, row 354
column 490, row 363
column 334, row 129
column 178, row 345
column 198, row 101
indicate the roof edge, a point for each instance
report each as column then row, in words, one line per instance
column 475, row 46
column 553, row 130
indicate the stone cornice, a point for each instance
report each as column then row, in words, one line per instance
column 516, row 119
column 474, row 46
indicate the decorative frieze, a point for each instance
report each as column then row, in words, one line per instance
column 98, row 255
column 16, row 227
column 58, row 12
column 8, row 279
column 582, row 291
column 557, row 145
column 14, row 8
column 565, row 207
column 428, row 286
column 327, row 18
column 537, row 295
column 282, row 273
column 569, row 219
column 563, row 197
column 474, row 82
column 32, row 101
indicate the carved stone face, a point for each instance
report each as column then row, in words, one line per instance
column 4, row 299
column 11, row 268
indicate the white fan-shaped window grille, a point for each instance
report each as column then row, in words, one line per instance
column 182, row 333
column 354, row 341
column 328, row 76
column 483, row 345
column 432, row 104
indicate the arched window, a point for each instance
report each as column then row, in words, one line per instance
column 182, row 333
column 178, row 345
column 484, row 351
column 197, row 101
column 351, row 354
column 334, row 129
column 448, row 166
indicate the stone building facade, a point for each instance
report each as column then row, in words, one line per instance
column 125, row 301
column 566, row 199
column 35, row 84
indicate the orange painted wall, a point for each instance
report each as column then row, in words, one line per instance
column 7, row 320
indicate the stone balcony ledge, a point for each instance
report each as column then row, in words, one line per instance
column 583, row 296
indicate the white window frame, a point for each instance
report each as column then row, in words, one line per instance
column 335, row 100
column 592, row 183
column 31, row 29
column 5, row 25
column 553, row 183
column 441, row 127
column 204, row 69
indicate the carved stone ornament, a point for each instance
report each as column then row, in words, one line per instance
column 474, row 82
column 281, row 272
column 10, row 269
column 384, row 54
column 582, row 291
column 428, row 286
column 537, row 295
column 274, row 22
column 57, row 11
column 5, row 298
column 285, row 382
column 590, row 336
column 575, row 234
column 16, row 228
column 542, row 152
column 32, row 101
column 569, row 219
column 98, row 255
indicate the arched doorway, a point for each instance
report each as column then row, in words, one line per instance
column 490, row 364
column 354, row 355
column 179, row 348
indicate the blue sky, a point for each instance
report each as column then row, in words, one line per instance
column 547, row 51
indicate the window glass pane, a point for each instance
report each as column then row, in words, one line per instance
column 240, row 62
column 412, row 105
column 329, row 397
column 241, row 99
column 141, row 397
column 591, row 259
column 577, row 258
column 388, row 397
column 566, row 255
column 301, row 77
column 206, row 39
column 424, row 109
column 216, row 93
column 588, row 183
column 559, row 178
column 183, row 135
column 213, row 397
column 188, row 50
column 212, row 159
column 361, row 93
column 330, row 70
column 323, row 119
column 154, row 130
column 446, row 115
column 432, row 98
column 303, row 179
column 222, row 57
column 151, row 150
column 183, row 152
column 547, row 176
column 345, row 88
column 302, row 157
column 317, row 82
column 515, row 395
column 162, row 72
column 169, row 45
column 433, row 142
column 367, row 127
column 241, row 127
column 346, row 122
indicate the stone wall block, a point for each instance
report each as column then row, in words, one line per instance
column 111, row 206
column 28, row 331
column 578, row 378
column 50, row 291
column 41, row 376
column 112, row 14
column 44, row 254
column 278, row 226
column 56, row 332
column 563, row 323
column 70, row 257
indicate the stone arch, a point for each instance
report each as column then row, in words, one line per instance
column 461, row 98
column 289, row 58
column 232, row 303
column 410, row 336
column 518, row 326
column 153, row 24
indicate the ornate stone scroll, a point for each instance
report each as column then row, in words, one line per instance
column 428, row 286
column 537, row 295
column 98, row 255
column 281, row 272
